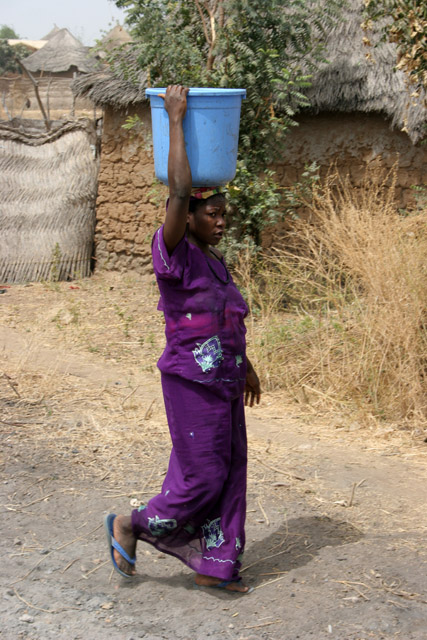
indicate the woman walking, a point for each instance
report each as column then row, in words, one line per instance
column 200, row 513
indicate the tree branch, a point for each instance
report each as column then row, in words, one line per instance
column 205, row 29
column 221, row 14
column 211, row 14
column 36, row 90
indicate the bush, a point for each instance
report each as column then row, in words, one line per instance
column 340, row 315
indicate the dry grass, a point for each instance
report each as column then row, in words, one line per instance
column 355, row 291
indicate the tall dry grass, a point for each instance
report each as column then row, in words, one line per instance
column 340, row 314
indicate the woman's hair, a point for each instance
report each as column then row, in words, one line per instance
column 196, row 203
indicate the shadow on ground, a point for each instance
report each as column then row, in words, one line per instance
column 297, row 542
column 293, row 545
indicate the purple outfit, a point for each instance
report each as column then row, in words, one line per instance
column 199, row 516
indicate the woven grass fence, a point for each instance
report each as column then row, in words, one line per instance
column 48, row 185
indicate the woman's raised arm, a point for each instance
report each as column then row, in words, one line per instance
column 179, row 173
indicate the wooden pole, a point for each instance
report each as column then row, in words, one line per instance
column 36, row 90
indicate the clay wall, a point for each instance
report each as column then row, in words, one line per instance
column 129, row 207
column 352, row 143
column 129, row 200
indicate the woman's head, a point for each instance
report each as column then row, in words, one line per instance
column 206, row 218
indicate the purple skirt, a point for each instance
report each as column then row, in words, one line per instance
column 199, row 516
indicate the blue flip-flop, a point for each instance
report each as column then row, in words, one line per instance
column 113, row 544
column 223, row 585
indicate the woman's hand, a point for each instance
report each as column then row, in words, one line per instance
column 175, row 101
column 252, row 386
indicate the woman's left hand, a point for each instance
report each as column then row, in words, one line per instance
column 252, row 387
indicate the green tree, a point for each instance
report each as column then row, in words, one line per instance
column 7, row 33
column 8, row 54
column 269, row 48
column 405, row 23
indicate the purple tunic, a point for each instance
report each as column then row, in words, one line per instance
column 204, row 314
column 199, row 515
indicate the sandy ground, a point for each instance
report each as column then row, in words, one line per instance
column 336, row 522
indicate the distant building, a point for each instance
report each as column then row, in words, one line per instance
column 62, row 56
column 54, row 65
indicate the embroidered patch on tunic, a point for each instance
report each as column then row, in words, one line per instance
column 238, row 544
column 160, row 527
column 213, row 534
column 209, row 354
column 239, row 361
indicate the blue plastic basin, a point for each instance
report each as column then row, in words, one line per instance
column 211, row 133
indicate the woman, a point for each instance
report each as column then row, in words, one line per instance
column 199, row 515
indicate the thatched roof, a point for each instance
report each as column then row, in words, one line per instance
column 48, row 185
column 348, row 82
column 118, row 37
column 61, row 52
column 114, row 38
column 52, row 33
column 112, row 87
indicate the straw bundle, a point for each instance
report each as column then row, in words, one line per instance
column 48, row 184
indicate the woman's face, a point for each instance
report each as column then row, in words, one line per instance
column 207, row 223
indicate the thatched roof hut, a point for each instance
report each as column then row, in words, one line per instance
column 353, row 104
column 118, row 36
column 358, row 78
column 48, row 184
column 347, row 82
column 52, row 33
column 62, row 53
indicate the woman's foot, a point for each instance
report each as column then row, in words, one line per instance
column 123, row 534
column 210, row 581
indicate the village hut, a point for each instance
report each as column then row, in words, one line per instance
column 361, row 111
column 54, row 66
column 117, row 37
column 52, row 32
column 128, row 194
column 63, row 55
column 48, row 185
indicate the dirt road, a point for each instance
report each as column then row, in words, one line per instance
column 336, row 522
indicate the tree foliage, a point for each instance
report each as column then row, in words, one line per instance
column 269, row 48
column 7, row 33
column 8, row 54
column 405, row 23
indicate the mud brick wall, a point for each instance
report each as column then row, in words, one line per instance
column 130, row 204
column 352, row 143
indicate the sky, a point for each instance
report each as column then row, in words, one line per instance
column 87, row 20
